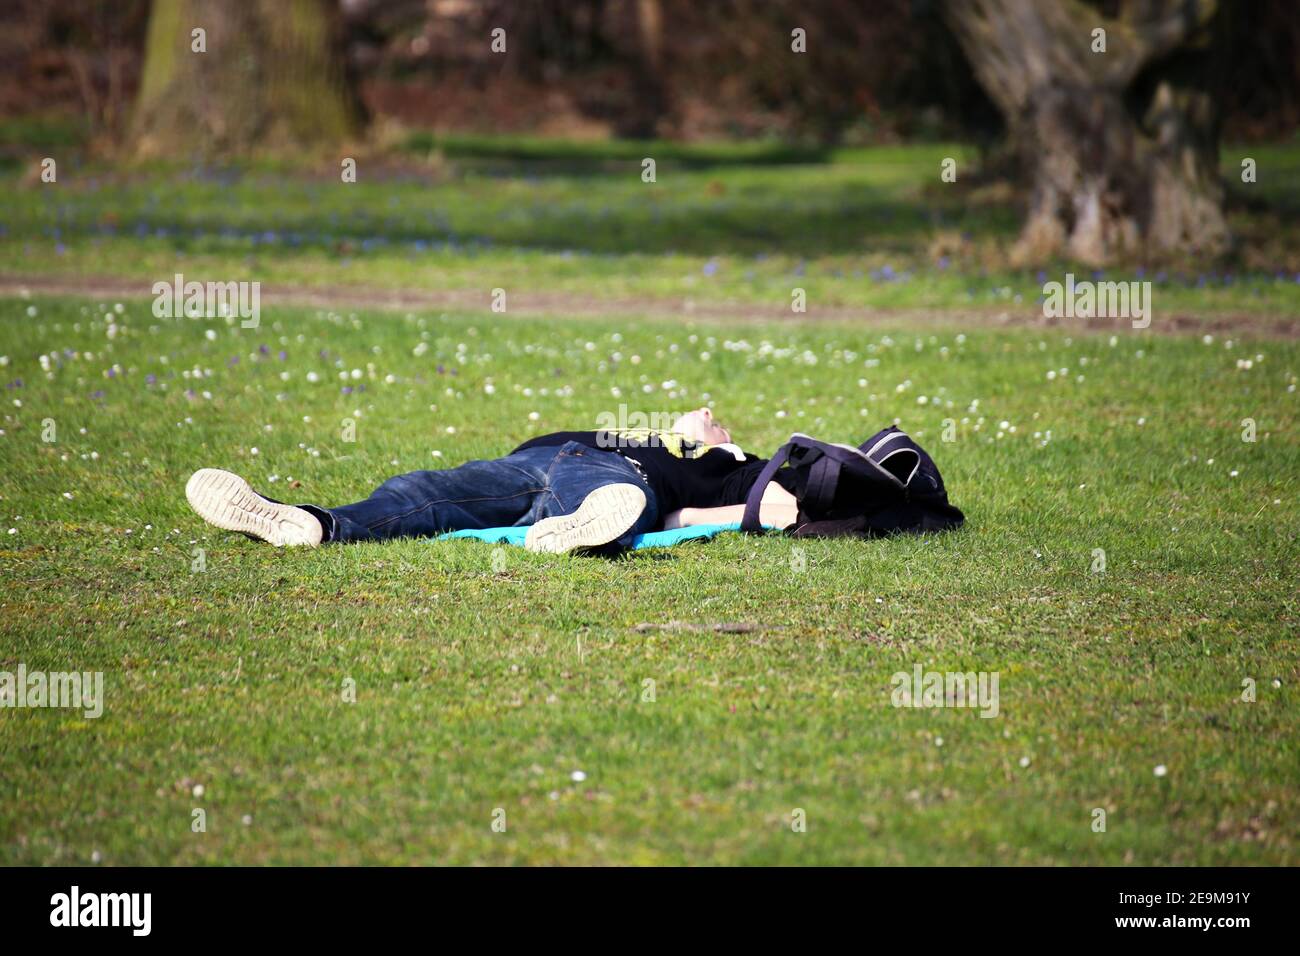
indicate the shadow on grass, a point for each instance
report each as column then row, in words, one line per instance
column 577, row 199
column 803, row 211
column 507, row 153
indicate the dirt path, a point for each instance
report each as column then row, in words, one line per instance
column 541, row 304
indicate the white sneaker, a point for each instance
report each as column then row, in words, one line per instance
column 229, row 502
column 605, row 515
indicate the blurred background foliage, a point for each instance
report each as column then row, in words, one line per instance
column 884, row 70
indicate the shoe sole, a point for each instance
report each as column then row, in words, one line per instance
column 605, row 515
column 224, row 499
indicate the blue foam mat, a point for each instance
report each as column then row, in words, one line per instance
column 652, row 539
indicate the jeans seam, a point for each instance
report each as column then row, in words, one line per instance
column 550, row 468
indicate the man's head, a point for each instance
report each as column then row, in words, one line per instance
column 699, row 425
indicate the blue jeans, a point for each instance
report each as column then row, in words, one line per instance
column 519, row 489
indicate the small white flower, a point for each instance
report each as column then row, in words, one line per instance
column 198, row 790
column 577, row 776
column 1024, row 761
column 1160, row 770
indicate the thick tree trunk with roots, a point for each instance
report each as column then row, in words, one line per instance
column 1121, row 146
column 272, row 79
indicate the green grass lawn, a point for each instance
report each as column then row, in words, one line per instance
column 745, row 224
column 483, row 685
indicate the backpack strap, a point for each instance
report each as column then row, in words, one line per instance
column 750, row 521
column 823, row 476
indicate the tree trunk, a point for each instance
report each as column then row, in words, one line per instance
column 271, row 80
column 640, row 120
column 1121, row 146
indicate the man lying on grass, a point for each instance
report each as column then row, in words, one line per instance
column 577, row 490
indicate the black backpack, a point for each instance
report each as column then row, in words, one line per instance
column 888, row 485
